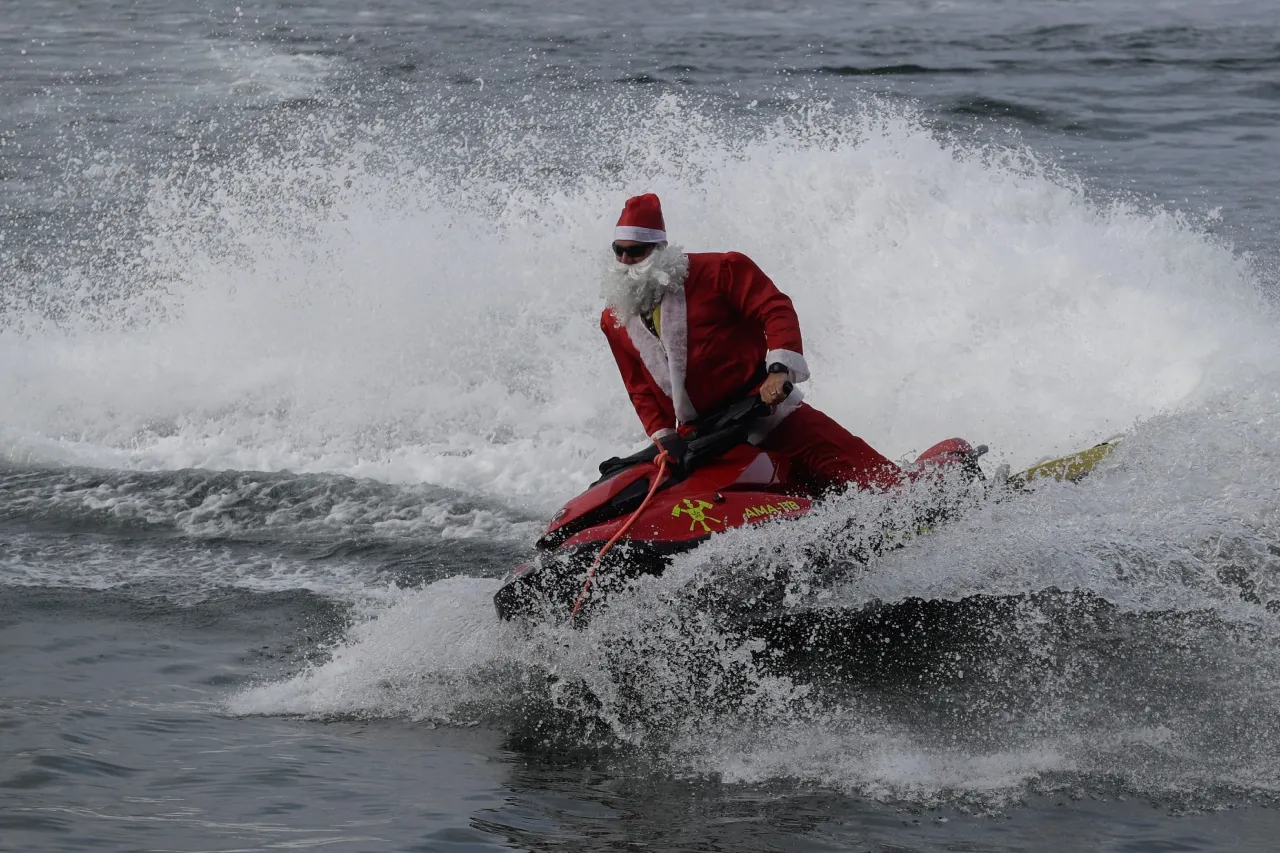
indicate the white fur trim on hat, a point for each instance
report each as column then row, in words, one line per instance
column 640, row 235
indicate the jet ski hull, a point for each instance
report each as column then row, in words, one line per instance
column 720, row 482
column 742, row 487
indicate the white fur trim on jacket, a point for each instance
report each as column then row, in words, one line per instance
column 640, row 235
column 675, row 341
column 790, row 359
column 650, row 349
column 667, row 359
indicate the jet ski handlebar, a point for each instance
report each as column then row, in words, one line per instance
column 710, row 437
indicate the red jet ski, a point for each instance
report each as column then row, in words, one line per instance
column 721, row 483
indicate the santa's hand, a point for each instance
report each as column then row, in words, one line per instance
column 675, row 446
column 775, row 389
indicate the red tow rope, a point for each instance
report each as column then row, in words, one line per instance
column 661, row 459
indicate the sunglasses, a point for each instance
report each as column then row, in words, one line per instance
column 633, row 251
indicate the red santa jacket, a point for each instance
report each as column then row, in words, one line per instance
column 717, row 330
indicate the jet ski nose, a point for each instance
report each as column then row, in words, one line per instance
column 518, row 572
column 953, row 451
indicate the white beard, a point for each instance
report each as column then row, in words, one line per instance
column 632, row 290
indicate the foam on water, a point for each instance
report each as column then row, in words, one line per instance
column 1170, row 694
column 425, row 657
column 260, row 75
column 1187, row 500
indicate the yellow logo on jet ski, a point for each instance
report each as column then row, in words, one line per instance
column 697, row 513
column 766, row 510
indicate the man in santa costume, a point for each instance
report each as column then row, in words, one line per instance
column 693, row 332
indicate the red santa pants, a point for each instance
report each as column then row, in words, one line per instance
column 824, row 454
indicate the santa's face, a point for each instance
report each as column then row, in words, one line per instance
column 634, row 286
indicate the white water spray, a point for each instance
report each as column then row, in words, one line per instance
column 376, row 316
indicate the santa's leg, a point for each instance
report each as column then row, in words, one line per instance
column 826, row 454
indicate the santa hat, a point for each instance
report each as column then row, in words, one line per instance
column 641, row 220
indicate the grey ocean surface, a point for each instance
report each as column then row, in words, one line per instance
column 298, row 353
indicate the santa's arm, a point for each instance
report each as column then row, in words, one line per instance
column 748, row 289
column 658, row 419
